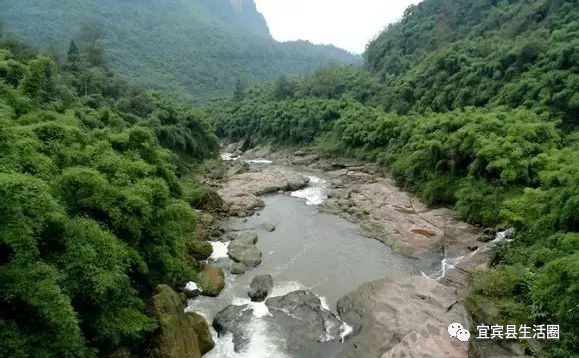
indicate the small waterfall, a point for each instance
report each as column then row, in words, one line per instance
column 448, row 264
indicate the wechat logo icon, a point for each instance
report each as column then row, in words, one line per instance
column 456, row 330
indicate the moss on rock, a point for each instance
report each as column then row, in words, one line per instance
column 200, row 250
column 212, row 281
column 180, row 334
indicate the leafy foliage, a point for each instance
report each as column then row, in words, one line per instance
column 93, row 214
column 452, row 53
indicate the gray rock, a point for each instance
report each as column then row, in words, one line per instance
column 248, row 237
column 234, row 319
column 300, row 314
column 260, row 287
column 244, row 252
column 269, row 227
column 237, row 268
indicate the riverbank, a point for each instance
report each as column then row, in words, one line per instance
column 403, row 313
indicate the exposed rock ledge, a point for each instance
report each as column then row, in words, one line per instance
column 241, row 191
column 397, row 219
column 405, row 317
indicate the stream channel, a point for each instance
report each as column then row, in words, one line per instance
column 308, row 250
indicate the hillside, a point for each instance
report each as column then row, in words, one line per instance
column 94, row 214
column 195, row 50
column 450, row 54
column 470, row 104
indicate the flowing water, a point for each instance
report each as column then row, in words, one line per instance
column 308, row 250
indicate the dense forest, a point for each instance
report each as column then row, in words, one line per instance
column 94, row 215
column 193, row 50
column 467, row 103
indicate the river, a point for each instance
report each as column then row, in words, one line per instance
column 309, row 249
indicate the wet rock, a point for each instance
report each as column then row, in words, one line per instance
column 268, row 227
column 234, row 320
column 191, row 290
column 404, row 317
column 180, row 334
column 260, row 287
column 244, row 252
column 302, row 316
column 237, row 268
column 212, row 280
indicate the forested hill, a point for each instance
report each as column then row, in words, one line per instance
column 448, row 54
column 469, row 103
column 194, row 49
column 93, row 213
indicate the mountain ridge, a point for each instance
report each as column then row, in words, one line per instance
column 185, row 48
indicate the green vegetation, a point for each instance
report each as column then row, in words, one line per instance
column 191, row 49
column 467, row 103
column 92, row 210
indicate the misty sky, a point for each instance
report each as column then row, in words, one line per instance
column 348, row 24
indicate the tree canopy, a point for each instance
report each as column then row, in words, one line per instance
column 93, row 213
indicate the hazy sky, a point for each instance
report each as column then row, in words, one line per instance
column 349, row 24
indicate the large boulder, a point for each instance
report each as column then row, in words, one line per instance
column 260, row 287
column 211, row 280
column 303, row 319
column 181, row 335
column 234, row 320
column 243, row 251
column 404, row 317
column 247, row 238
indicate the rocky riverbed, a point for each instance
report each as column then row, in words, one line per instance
column 333, row 291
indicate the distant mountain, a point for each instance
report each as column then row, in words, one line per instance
column 242, row 13
column 193, row 49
